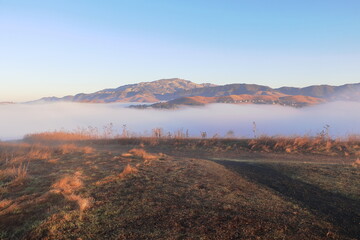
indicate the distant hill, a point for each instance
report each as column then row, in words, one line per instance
column 293, row 101
column 345, row 92
column 3, row 103
column 177, row 91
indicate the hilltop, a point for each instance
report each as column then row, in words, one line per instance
column 56, row 187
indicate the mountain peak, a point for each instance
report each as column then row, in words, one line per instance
column 176, row 82
column 167, row 80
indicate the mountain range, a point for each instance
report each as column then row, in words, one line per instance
column 168, row 93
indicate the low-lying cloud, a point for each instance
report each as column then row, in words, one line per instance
column 16, row 120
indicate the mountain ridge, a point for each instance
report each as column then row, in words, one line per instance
column 176, row 88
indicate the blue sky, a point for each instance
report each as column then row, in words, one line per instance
column 56, row 48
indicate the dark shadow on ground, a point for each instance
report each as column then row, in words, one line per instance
column 335, row 208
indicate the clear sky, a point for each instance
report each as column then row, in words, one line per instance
column 61, row 47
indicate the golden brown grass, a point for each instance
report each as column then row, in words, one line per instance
column 7, row 173
column 70, row 148
column 27, row 187
column 12, row 152
column 21, row 174
column 305, row 144
column 13, row 206
column 67, row 186
column 5, row 203
column 79, row 134
column 67, row 148
column 356, row 163
column 127, row 171
column 40, row 152
column 14, row 175
column 16, row 158
column 140, row 153
column 59, row 136
column 84, row 203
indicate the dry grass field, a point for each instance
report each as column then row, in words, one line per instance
column 68, row 186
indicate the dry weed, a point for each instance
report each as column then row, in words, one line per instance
column 40, row 152
column 14, row 175
column 21, row 174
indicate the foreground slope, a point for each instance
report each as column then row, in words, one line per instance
column 178, row 189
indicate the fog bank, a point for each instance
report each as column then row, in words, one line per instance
column 16, row 120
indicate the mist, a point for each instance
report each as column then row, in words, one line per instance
column 17, row 120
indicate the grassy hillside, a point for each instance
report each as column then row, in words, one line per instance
column 149, row 188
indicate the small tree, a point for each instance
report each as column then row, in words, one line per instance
column 325, row 133
column 203, row 134
column 230, row 134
